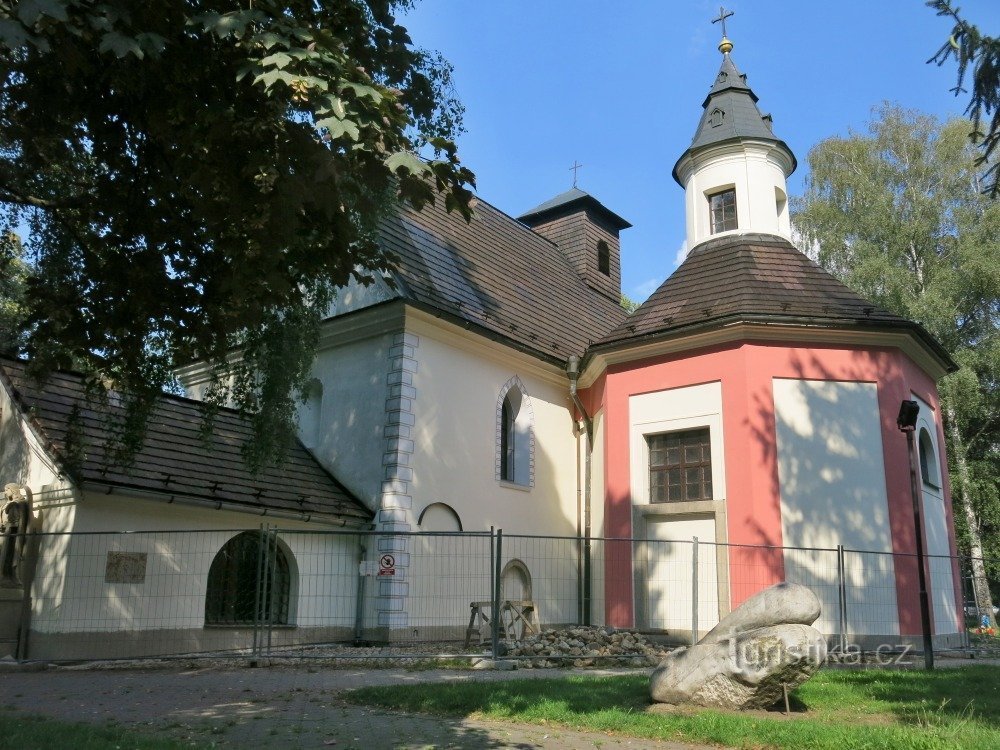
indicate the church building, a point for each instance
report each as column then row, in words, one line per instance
column 496, row 382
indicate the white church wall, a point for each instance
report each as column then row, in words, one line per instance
column 73, row 603
column 350, row 440
column 832, row 487
column 458, row 381
column 940, row 563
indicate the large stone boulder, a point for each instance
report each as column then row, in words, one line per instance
column 746, row 661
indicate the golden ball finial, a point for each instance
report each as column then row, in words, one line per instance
column 725, row 46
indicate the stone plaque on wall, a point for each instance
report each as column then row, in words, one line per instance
column 125, row 567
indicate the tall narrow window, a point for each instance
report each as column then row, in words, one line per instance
column 515, row 439
column 928, row 461
column 507, row 440
column 680, row 466
column 722, row 207
column 603, row 258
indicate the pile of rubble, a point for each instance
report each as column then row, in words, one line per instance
column 587, row 647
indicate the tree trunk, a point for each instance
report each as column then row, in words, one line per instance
column 980, row 584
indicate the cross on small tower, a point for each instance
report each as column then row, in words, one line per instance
column 574, row 169
column 723, row 15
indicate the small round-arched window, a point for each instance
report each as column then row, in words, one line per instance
column 249, row 581
column 929, row 473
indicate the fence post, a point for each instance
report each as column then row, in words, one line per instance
column 495, row 622
column 694, row 590
column 257, row 593
column 842, row 596
column 272, row 550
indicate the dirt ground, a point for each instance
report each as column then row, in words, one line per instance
column 280, row 706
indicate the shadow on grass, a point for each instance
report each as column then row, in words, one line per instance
column 957, row 693
column 834, row 711
column 576, row 695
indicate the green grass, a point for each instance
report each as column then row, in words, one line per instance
column 839, row 710
column 41, row 733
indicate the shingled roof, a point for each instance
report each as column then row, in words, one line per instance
column 500, row 276
column 174, row 460
column 738, row 115
column 754, row 278
column 571, row 199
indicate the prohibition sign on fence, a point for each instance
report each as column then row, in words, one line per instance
column 387, row 565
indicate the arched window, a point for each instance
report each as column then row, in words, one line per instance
column 928, row 460
column 236, row 587
column 515, row 581
column 309, row 413
column 603, row 258
column 515, row 441
column 439, row 517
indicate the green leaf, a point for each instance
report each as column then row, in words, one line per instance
column 12, row 34
column 338, row 128
column 362, row 91
column 121, row 45
column 279, row 60
column 410, row 163
column 29, row 11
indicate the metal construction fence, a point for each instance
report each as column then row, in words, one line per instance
column 318, row 593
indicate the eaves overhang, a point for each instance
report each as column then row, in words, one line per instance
column 909, row 337
column 690, row 153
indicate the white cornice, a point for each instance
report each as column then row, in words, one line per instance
column 427, row 324
column 366, row 323
column 775, row 150
column 757, row 332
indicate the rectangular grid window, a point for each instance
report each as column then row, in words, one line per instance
column 723, row 209
column 680, row 466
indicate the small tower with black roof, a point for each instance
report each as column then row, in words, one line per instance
column 734, row 171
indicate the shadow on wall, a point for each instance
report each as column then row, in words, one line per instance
column 823, row 432
column 14, row 451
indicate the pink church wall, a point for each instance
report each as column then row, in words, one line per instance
column 753, row 504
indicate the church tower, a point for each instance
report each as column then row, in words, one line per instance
column 734, row 171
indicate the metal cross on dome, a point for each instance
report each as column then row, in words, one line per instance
column 574, row 169
column 723, row 15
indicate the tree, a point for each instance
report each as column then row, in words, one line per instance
column 628, row 304
column 13, row 274
column 197, row 181
column 968, row 46
column 899, row 215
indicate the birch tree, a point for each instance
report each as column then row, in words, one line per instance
column 899, row 214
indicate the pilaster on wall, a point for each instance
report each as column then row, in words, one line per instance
column 396, row 502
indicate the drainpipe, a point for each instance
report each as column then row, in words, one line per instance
column 359, row 604
column 573, row 372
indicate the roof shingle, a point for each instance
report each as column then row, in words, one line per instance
column 753, row 277
column 500, row 275
column 174, row 459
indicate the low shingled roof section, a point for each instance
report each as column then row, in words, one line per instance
column 499, row 275
column 174, row 459
column 754, row 276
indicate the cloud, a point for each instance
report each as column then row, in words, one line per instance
column 641, row 291
column 682, row 253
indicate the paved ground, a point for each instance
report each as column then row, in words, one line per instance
column 290, row 707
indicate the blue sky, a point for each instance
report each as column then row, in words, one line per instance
column 618, row 86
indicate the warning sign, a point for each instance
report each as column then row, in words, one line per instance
column 387, row 565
